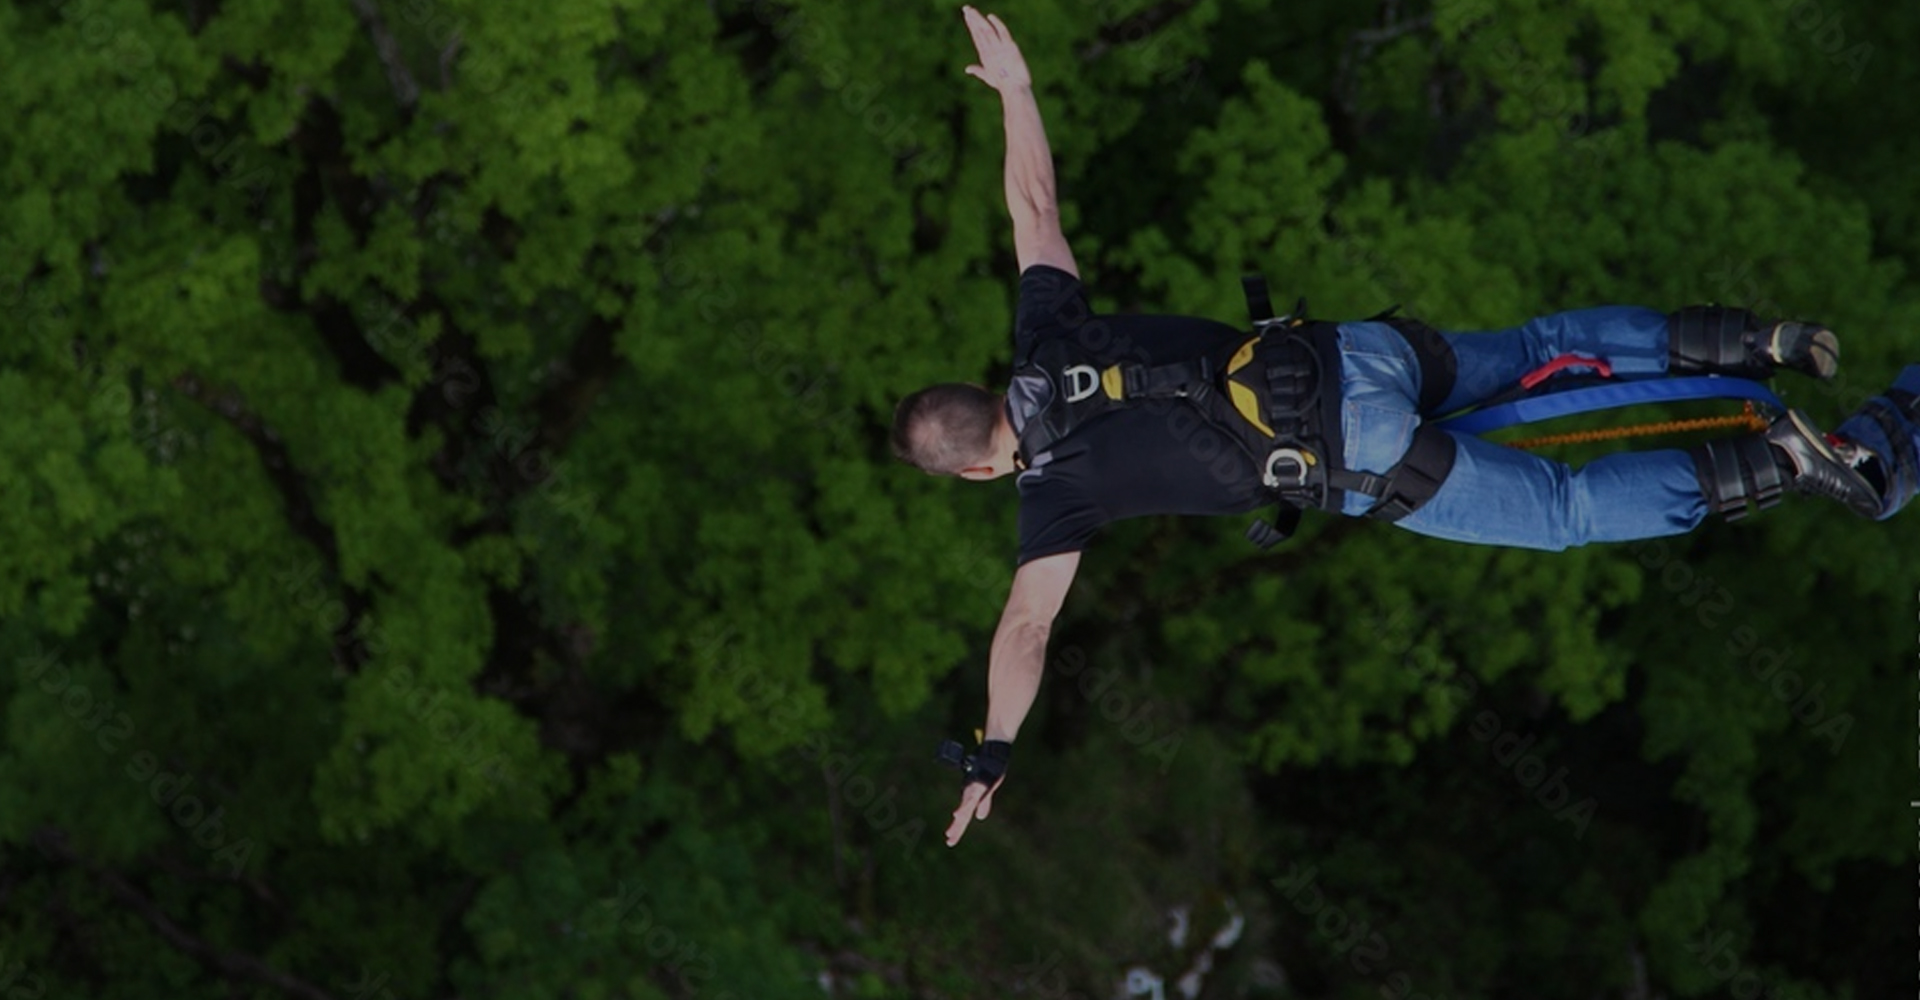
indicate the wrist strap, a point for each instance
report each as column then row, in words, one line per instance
column 990, row 764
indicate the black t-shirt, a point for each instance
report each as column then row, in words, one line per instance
column 1155, row 457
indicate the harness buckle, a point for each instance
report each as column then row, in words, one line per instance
column 1287, row 468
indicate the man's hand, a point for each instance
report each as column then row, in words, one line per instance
column 975, row 803
column 1001, row 65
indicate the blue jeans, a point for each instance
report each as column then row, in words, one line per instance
column 1898, row 446
column 1498, row 495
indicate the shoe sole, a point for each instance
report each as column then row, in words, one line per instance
column 1823, row 350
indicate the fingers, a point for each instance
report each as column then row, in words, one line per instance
column 987, row 30
column 976, row 802
column 986, row 801
column 969, row 800
column 980, row 27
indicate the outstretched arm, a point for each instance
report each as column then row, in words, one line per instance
column 1031, row 198
column 1014, row 665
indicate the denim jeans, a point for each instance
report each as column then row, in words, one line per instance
column 1898, row 446
column 1497, row 495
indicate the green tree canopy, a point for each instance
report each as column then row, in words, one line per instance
column 452, row 548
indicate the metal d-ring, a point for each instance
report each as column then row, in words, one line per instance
column 1301, row 461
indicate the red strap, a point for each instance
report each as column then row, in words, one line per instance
column 1562, row 363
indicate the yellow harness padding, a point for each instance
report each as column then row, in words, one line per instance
column 1245, row 400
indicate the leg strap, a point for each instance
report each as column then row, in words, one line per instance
column 1411, row 482
column 1895, row 422
column 1734, row 471
column 1714, row 340
column 1438, row 365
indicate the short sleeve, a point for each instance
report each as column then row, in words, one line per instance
column 1051, row 301
column 1055, row 516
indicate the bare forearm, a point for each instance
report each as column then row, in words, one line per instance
column 1013, row 676
column 1029, row 174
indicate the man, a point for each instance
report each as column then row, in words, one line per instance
column 1111, row 417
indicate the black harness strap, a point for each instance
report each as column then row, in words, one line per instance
column 1185, row 378
column 1438, row 365
column 1259, row 303
column 1904, row 404
column 1305, row 467
column 1414, row 479
column 1292, row 372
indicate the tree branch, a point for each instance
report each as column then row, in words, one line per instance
column 404, row 89
column 232, row 964
column 1371, row 37
column 1358, row 48
column 567, row 400
column 348, row 652
column 1136, row 28
column 446, row 59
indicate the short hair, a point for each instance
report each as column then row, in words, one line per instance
column 945, row 428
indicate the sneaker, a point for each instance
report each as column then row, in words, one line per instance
column 1818, row 467
column 1804, row 347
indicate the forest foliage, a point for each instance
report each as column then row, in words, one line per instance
column 452, row 548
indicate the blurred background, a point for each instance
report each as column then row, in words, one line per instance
column 451, row 549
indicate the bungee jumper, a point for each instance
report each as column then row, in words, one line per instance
column 1110, row 417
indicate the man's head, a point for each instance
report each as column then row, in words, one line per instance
column 955, row 430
